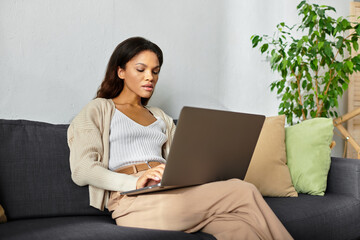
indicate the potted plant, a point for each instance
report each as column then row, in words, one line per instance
column 315, row 66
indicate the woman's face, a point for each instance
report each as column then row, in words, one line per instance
column 141, row 74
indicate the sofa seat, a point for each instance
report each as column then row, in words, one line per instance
column 333, row 216
column 87, row 228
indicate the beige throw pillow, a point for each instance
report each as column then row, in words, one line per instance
column 268, row 170
column 2, row 215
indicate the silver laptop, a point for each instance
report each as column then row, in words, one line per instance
column 209, row 145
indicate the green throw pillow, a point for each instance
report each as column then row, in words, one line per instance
column 308, row 154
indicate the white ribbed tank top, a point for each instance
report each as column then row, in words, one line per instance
column 132, row 143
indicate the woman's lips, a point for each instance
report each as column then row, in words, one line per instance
column 148, row 87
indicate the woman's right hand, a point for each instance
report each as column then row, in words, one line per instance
column 151, row 177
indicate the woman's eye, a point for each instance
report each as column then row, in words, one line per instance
column 156, row 72
column 140, row 70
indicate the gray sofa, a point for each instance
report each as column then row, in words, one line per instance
column 42, row 202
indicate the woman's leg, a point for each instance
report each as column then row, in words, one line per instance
column 230, row 209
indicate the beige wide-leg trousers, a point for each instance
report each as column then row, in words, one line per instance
column 231, row 209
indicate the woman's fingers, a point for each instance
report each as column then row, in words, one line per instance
column 154, row 176
column 152, row 182
column 147, row 180
column 159, row 168
column 151, row 176
column 155, row 173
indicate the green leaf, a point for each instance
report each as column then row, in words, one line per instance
column 314, row 64
column 356, row 60
column 255, row 39
column 312, row 113
column 264, row 47
column 357, row 29
column 272, row 86
column 303, row 85
column 339, row 19
column 328, row 51
column 321, row 13
column 308, row 77
column 298, row 59
column 332, row 102
column 345, row 23
column 355, row 46
column 278, row 58
column 348, row 46
column 308, row 87
column 354, row 38
column 338, row 66
column 350, row 65
column 327, row 105
column 273, row 57
column 330, row 8
column 339, row 42
column 340, row 91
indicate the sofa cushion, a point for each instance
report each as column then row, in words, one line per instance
column 332, row 216
column 87, row 228
column 344, row 177
column 35, row 178
column 308, row 154
column 268, row 170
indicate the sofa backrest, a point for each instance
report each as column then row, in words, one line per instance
column 35, row 178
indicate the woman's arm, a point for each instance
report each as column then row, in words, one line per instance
column 87, row 167
column 85, row 140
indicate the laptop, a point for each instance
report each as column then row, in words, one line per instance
column 209, row 145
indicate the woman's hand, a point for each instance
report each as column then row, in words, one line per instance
column 151, row 177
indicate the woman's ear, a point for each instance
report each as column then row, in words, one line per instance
column 121, row 73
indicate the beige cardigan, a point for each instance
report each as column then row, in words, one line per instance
column 88, row 140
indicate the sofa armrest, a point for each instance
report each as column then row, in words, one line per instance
column 344, row 177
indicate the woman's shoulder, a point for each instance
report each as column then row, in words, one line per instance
column 97, row 106
column 94, row 110
column 99, row 103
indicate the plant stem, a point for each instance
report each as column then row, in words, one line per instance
column 316, row 89
column 316, row 75
column 318, row 111
column 298, row 77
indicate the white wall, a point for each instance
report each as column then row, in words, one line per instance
column 53, row 54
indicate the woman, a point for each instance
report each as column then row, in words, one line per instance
column 117, row 144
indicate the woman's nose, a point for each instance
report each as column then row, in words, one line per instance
column 149, row 76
